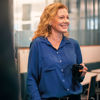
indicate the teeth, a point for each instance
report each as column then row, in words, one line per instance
column 64, row 25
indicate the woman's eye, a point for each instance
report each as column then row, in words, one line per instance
column 61, row 17
column 64, row 17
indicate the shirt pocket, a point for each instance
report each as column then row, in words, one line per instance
column 68, row 75
column 48, row 79
column 49, row 69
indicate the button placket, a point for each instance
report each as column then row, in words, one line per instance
column 63, row 80
column 57, row 52
column 67, row 89
column 62, row 70
column 60, row 61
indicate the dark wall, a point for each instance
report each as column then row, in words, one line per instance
column 8, row 73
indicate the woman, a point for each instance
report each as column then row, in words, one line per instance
column 52, row 55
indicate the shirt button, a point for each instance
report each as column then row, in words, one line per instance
column 67, row 89
column 60, row 61
column 63, row 80
column 62, row 70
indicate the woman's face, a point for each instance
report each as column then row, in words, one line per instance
column 60, row 22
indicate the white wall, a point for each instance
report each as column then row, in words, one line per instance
column 90, row 54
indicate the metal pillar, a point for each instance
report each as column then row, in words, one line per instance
column 8, row 74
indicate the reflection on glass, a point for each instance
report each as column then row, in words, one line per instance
column 26, row 12
column 84, row 20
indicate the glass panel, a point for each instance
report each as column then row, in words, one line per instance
column 26, row 27
column 83, row 19
column 26, row 11
column 26, row 18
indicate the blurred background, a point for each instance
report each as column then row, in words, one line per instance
column 84, row 26
column 84, row 20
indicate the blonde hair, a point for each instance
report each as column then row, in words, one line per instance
column 44, row 28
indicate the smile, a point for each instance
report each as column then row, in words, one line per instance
column 64, row 26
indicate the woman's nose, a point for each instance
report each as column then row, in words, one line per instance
column 67, row 21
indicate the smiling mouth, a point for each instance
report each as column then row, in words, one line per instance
column 64, row 26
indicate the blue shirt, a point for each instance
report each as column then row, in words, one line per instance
column 50, row 70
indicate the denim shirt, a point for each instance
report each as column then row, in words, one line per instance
column 50, row 69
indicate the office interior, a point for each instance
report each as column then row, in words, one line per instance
column 19, row 20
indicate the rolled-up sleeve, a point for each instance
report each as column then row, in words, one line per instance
column 32, row 77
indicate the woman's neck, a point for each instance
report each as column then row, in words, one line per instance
column 55, row 40
column 56, row 37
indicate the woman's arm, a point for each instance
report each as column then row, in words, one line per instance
column 79, row 60
column 32, row 77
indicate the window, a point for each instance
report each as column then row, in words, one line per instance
column 26, row 27
column 26, row 12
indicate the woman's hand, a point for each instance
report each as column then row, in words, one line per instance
column 84, row 70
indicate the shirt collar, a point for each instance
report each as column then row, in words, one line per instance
column 64, row 41
column 45, row 40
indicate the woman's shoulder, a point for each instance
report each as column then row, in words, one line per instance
column 35, row 41
column 75, row 42
column 38, row 40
